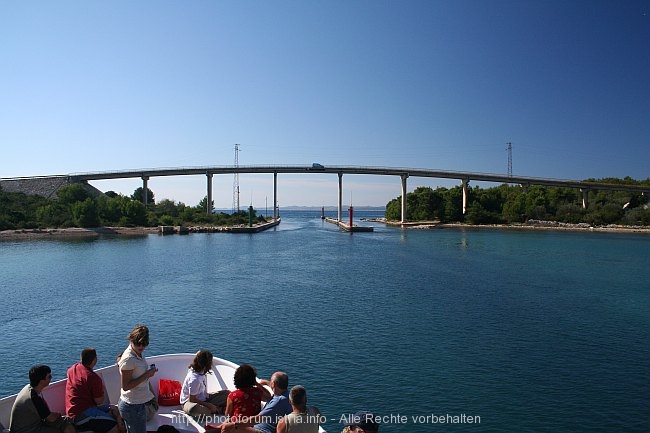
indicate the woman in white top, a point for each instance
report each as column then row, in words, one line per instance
column 135, row 374
column 194, row 394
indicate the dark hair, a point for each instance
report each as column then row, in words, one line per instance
column 167, row 429
column 139, row 335
column 202, row 362
column 245, row 376
column 38, row 373
column 281, row 379
column 298, row 397
column 88, row 355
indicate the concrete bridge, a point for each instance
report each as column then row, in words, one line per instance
column 401, row 172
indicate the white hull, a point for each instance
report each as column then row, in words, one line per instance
column 172, row 366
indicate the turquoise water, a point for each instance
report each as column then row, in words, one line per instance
column 530, row 331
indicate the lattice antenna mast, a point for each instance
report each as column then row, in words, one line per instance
column 235, row 183
column 509, row 150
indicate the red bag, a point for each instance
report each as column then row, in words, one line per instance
column 169, row 392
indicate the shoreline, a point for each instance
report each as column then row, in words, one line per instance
column 537, row 225
column 75, row 232
column 78, row 233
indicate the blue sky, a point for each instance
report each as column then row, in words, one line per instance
column 90, row 86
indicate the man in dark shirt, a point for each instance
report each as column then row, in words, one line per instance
column 30, row 413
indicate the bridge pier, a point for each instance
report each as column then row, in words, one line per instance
column 585, row 197
column 275, row 195
column 340, row 204
column 404, row 177
column 208, row 205
column 145, row 190
column 465, row 195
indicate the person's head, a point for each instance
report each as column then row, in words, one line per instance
column 362, row 422
column 245, row 376
column 298, row 398
column 88, row 357
column 279, row 382
column 38, row 373
column 202, row 362
column 139, row 337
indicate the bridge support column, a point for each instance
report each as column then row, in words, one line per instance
column 585, row 197
column 208, row 204
column 340, row 205
column 525, row 187
column 145, row 190
column 275, row 195
column 465, row 195
column 404, row 177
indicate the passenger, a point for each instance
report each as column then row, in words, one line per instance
column 302, row 419
column 194, row 394
column 279, row 406
column 152, row 405
column 246, row 400
column 30, row 413
column 362, row 422
column 84, row 398
column 135, row 374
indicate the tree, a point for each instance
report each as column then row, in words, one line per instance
column 166, row 207
column 72, row 193
column 110, row 209
column 514, row 208
column 570, row 213
column 52, row 214
column 424, row 204
column 204, row 203
column 85, row 214
column 477, row 214
column 453, row 204
column 393, row 210
column 137, row 195
column 134, row 213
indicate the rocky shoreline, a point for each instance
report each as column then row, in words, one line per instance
column 529, row 225
column 74, row 232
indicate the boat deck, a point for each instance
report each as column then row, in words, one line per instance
column 172, row 367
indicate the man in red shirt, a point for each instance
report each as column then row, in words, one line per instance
column 84, row 397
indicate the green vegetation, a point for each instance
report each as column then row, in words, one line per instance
column 506, row 204
column 76, row 207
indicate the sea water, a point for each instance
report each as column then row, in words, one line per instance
column 433, row 330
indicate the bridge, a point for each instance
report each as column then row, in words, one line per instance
column 402, row 172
